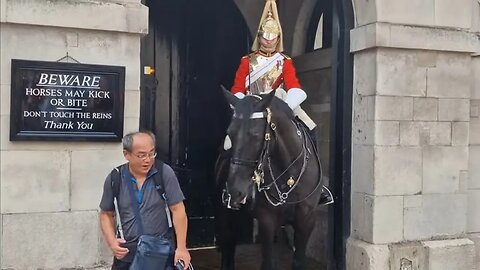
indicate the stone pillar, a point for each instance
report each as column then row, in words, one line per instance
column 473, row 222
column 410, row 144
column 50, row 191
column 473, row 213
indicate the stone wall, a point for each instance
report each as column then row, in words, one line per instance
column 473, row 210
column 50, row 190
column 412, row 174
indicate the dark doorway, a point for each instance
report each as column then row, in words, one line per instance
column 194, row 47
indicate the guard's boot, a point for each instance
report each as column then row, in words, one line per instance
column 326, row 197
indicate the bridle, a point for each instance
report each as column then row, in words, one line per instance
column 281, row 197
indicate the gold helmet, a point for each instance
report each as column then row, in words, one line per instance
column 269, row 27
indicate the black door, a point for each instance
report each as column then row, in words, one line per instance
column 194, row 47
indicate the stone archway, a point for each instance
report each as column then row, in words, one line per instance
column 301, row 27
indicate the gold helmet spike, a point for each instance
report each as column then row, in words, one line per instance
column 269, row 27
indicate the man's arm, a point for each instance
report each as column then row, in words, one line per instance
column 180, row 223
column 107, row 224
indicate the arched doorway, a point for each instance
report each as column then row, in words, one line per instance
column 195, row 46
column 323, row 52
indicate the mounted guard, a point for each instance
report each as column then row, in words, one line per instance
column 266, row 69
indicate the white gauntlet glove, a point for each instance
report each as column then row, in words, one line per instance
column 239, row 95
column 295, row 97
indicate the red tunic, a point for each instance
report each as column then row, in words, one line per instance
column 288, row 77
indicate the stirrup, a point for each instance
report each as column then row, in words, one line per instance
column 326, row 197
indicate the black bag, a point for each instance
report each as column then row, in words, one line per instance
column 153, row 253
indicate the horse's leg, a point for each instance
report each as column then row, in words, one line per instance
column 267, row 225
column 225, row 219
column 227, row 238
column 303, row 225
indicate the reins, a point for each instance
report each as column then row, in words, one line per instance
column 282, row 197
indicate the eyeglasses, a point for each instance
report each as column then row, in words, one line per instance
column 146, row 155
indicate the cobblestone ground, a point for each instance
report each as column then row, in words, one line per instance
column 248, row 257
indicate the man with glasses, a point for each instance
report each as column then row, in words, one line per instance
column 139, row 173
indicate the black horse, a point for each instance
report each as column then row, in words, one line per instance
column 273, row 167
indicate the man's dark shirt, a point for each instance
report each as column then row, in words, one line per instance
column 151, row 204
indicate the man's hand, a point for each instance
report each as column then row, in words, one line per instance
column 108, row 229
column 184, row 255
column 180, row 223
column 118, row 251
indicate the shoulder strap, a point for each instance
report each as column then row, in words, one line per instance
column 158, row 179
column 262, row 69
column 286, row 56
column 160, row 187
column 115, row 178
column 136, row 207
column 115, row 181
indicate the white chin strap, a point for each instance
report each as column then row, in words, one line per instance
column 295, row 97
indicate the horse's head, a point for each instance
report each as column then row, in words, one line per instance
column 247, row 131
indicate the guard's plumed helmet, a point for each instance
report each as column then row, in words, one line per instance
column 269, row 27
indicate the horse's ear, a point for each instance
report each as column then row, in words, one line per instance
column 265, row 102
column 232, row 99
